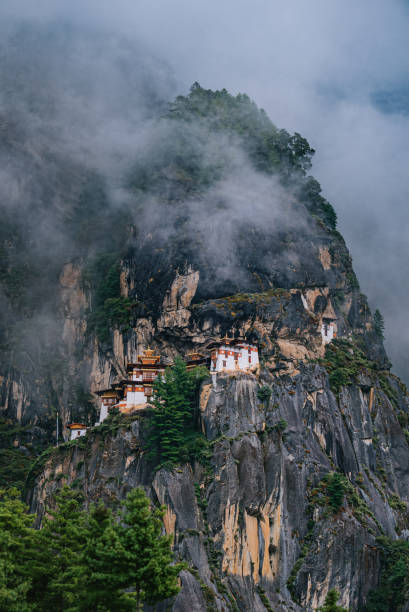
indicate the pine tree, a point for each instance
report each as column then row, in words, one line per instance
column 16, row 547
column 330, row 604
column 379, row 324
column 146, row 564
column 102, row 563
column 173, row 420
column 58, row 577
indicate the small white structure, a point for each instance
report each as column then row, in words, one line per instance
column 228, row 355
column 77, row 430
column 328, row 331
column 109, row 398
column 329, row 324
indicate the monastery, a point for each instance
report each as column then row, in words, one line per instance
column 226, row 355
column 136, row 391
column 77, row 430
column 229, row 354
column 329, row 324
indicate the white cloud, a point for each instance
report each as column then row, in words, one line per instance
column 314, row 67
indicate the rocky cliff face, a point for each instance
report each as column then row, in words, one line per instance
column 219, row 233
column 253, row 527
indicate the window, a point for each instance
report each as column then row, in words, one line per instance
column 249, row 358
column 224, row 364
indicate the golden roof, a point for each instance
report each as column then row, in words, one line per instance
column 194, row 355
column 148, row 357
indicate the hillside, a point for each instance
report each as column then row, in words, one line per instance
column 212, row 227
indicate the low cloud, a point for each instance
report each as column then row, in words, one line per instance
column 326, row 70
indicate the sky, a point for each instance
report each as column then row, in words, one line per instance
column 335, row 71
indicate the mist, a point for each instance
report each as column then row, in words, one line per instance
column 335, row 72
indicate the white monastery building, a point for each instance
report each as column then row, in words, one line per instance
column 77, row 430
column 228, row 354
column 136, row 390
column 329, row 324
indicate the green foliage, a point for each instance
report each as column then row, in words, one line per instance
column 109, row 309
column 174, row 436
column 264, row 599
column 392, row 591
column 14, row 467
column 16, row 546
column 37, row 467
column 84, row 560
column 397, row 504
column 15, row 462
column 147, row 563
column 330, row 604
column 379, row 324
column 336, row 488
column 387, row 388
column 182, row 164
column 344, row 361
column 311, row 193
column 264, row 394
column 269, row 148
column 57, row 575
column 280, row 426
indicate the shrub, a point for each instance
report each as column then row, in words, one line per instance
column 393, row 588
column 264, row 394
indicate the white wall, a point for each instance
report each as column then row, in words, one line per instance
column 228, row 362
column 133, row 398
column 77, row 433
column 248, row 357
column 103, row 413
column 327, row 332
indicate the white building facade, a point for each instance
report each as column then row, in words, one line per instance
column 232, row 355
column 77, row 430
column 136, row 391
column 328, row 331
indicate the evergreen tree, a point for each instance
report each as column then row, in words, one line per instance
column 16, row 547
column 173, row 422
column 58, row 578
column 102, row 562
column 330, row 604
column 146, row 562
column 336, row 489
column 379, row 324
column 81, row 561
column 392, row 591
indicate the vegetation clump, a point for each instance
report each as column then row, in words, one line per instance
column 264, row 394
column 174, row 434
column 344, row 361
column 330, row 604
column 84, row 559
column 109, row 309
column 334, row 490
column 393, row 589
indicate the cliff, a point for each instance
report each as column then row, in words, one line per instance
column 220, row 231
column 256, row 524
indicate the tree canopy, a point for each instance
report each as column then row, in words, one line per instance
column 174, row 435
column 83, row 560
